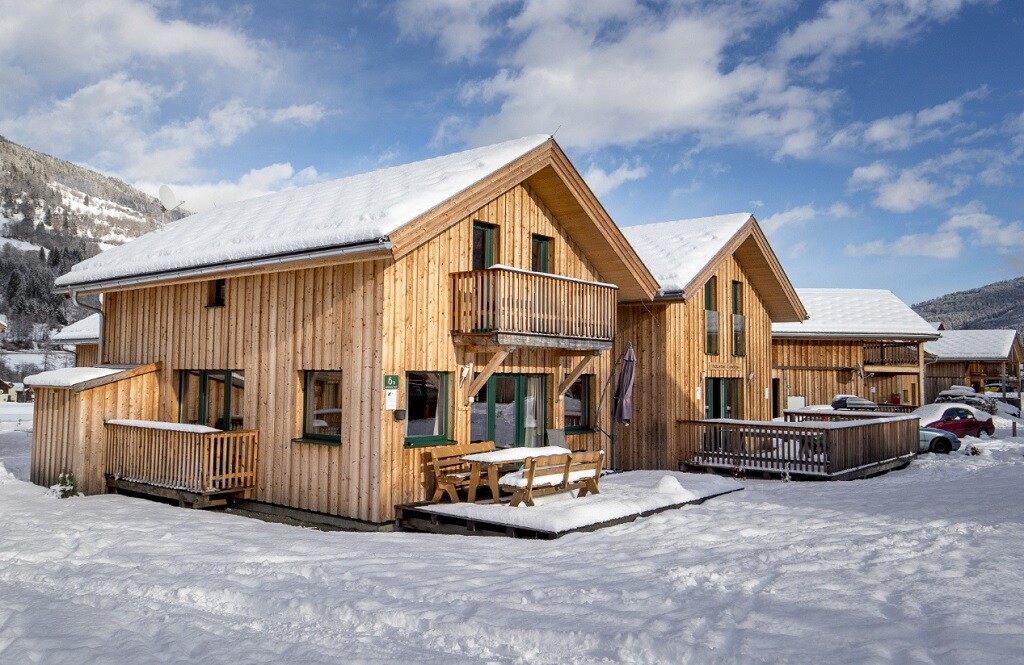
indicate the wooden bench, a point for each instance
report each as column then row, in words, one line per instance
column 450, row 472
column 554, row 473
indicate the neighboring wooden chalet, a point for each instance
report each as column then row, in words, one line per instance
column 864, row 342
column 972, row 358
column 704, row 345
column 7, row 392
column 345, row 328
column 84, row 338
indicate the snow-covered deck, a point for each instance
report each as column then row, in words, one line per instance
column 624, row 497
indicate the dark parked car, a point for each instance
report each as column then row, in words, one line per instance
column 933, row 440
column 960, row 419
column 853, row 403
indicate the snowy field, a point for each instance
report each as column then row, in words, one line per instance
column 917, row 566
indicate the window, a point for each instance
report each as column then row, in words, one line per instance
column 213, row 397
column 541, row 254
column 426, row 408
column 484, row 255
column 510, row 410
column 216, row 292
column 711, row 317
column 322, row 408
column 578, row 404
column 739, row 322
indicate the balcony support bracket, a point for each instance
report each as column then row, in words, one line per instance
column 489, row 369
column 580, row 367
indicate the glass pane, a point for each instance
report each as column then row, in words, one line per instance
column 215, row 401
column 237, row 400
column 483, row 250
column 577, row 404
column 425, row 404
column 479, row 410
column 533, row 412
column 541, row 247
column 323, row 404
column 505, row 411
column 711, row 342
column 739, row 336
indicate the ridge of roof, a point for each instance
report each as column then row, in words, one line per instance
column 853, row 313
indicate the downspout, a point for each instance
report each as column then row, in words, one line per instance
column 98, row 310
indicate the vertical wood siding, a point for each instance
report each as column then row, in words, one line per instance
column 672, row 365
column 365, row 319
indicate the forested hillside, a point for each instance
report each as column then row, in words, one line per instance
column 999, row 305
column 54, row 214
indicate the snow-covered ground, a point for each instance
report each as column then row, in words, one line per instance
column 916, row 566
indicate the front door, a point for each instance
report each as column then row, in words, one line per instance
column 510, row 410
column 723, row 398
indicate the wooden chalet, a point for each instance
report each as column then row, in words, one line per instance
column 704, row 344
column 309, row 348
column 864, row 342
column 83, row 337
column 972, row 358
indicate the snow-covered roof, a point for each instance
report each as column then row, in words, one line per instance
column 359, row 209
column 855, row 313
column 972, row 345
column 675, row 252
column 68, row 377
column 84, row 331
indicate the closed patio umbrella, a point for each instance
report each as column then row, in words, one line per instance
column 622, row 399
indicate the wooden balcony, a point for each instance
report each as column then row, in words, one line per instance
column 891, row 357
column 505, row 307
column 190, row 464
column 837, row 449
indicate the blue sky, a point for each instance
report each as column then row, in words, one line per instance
column 879, row 142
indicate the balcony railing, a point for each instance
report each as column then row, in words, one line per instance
column 181, row 457
column 889, row 354
column 834, row 449
column 503, row 300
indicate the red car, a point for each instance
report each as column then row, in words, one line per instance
column 959, row 419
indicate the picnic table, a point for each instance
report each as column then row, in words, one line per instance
column 490, row 463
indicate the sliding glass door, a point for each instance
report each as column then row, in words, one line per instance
column 511, row 410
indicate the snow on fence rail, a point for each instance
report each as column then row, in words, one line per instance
column 181, row 458
column 818, row 448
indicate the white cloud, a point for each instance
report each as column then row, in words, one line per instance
column 602, row 182
column 306, row 114
column 198, row 197
column 802, row 215
column 968, row 226
column 463, row 28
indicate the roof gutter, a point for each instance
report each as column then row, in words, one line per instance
column 378, row 245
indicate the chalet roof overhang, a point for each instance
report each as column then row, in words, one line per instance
column 549, row 174
column 379, row 248
column 853, row 337
column 751, row 249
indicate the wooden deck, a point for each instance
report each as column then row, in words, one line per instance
column 846, row 446
column 195, row 468
column 509, row 307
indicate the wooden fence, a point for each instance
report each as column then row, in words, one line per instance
column 506, row 300
column 193, row 461
column 835, row 449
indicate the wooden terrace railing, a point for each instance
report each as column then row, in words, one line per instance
column 838, row 448
column 181, row 457
column 508, row 300
column 890, row 353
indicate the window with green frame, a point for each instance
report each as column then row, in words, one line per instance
column 426, row 403
column 739, row 321
column 578, row 404
column 322, row 406
column 711, row 317
column 484, row 252
column 541, row 260
column 212, row 397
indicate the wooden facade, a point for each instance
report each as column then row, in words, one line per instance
column 390, row 315
column 674, row 370
column 819, row 369
column 87, row 355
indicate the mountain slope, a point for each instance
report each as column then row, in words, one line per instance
column 998, row 305
column 54, row 214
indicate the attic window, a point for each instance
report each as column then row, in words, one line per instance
column 216, row 293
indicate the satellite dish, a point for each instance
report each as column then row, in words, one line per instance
column 167, row 198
